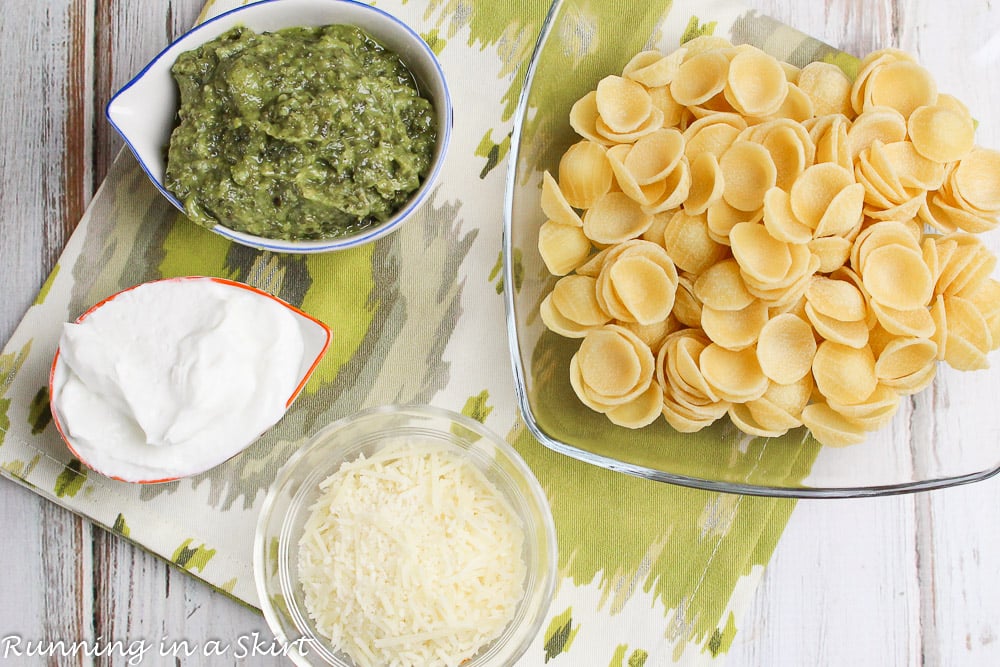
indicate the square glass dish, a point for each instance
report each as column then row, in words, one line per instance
column 946, row 434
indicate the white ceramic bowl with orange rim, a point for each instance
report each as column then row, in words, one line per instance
column 315, row 337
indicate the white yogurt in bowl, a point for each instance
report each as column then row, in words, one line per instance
column 172, row 377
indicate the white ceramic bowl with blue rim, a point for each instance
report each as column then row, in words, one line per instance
column 144, row 110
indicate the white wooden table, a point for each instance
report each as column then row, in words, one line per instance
column 912, row 580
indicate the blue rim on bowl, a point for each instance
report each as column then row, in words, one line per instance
column 143, row 111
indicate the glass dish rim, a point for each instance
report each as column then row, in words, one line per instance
column 616, row 465
column 534, row 496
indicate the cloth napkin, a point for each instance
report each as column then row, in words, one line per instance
column 649, row 573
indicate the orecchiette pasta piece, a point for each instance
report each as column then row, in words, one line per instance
column 622, row 104
column 583, row 118
column 700, row 77
column 721, row 218
column 742, row 417
column 944, row 216
column 869, row 64
column 761, row 257
column 880, row 234
column 687, row 307
column 755, row 83
column 652, row 68
column 785, row 348
column 852, row 334
column 677, row 368
column 812, row 193
column 941, row 133
column 878, row 124
column 614, row 365
column 828, row 88
column 780, row 220
column 844, row 374
column 707, row 184
column 843, row 213
column 831, row 251
column 797, row 105
column 901, row 85
column 575, row 297
column 704, row 43
column 915, row 322
column 831, row 428
column 713, row 134
column 977, row 179
column 734, row 329
column 771, row 416
column 881, row 272
column 642, row 195
column 911, row 168
column 722, row 287
column 615, row 217
column 643, row 287
column 748, row 172
column 968, row 338
column 677, row 186
column 654, row 334
column 904, row 359
column 653, row 122
column 562, row 247
column 791, row 151
column 654, row 156
column 673, row 112
column 559, row 323
column 839, row 299
column 792, row 397
column 686, row 239
column 734, row 376
column 832, row 144
column 873, row 413
column 640, row 411
column 554, row 204
column 986, row 297
column 584, row 174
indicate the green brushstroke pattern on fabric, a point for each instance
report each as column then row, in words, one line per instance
column 190, row 250
column 618, row 657
column 722, row 638
column 492, row 151
column 71, row 479
column 695, row 29
column 477, row 407
column 560, row 634
column 517, row 268
column 120, row 527
column 20, row 469
column 39, row 414
column 44, row 292
column 347, row 304
column 191, row 559
column 638, row 658
column 10, row 364
column 625, row 531
column 847, row 63
column 435, row 41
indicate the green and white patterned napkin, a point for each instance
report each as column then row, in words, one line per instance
column 650, row 573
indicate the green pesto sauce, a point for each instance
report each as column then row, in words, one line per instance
column 303, row 133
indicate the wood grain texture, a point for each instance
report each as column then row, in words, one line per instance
column 912, row 580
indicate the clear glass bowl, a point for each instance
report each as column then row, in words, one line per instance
column 296, row 487
column 946, row 435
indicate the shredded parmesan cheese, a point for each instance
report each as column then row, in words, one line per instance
column 411, row 557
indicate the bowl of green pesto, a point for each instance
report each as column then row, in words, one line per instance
column 291, row 125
